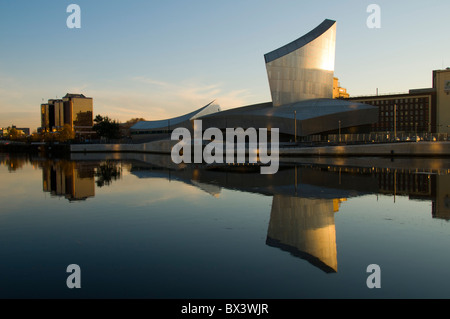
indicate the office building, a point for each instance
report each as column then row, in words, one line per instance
column 418, row 111
column 75, row 110
column 441, row 83
column 338, row 91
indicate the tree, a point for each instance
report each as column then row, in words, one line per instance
column 133, row 121
column 107, row 128
column 107, row 172
column 14, row 134
column 66, row 133
column 125, row 128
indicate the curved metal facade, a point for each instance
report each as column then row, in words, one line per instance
column 145, row 131
column 304, row 68
column 301, row 82
column 301, row 119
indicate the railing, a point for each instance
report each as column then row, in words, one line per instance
column 377, row 138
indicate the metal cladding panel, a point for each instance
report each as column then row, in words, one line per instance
column 303, row 69
column 176, row 121
column 311, row 117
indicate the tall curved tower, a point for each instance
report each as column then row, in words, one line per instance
column 304, row 68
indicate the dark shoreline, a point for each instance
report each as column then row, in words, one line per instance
column 26, row 148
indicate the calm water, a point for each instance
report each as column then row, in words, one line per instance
column 140, row 227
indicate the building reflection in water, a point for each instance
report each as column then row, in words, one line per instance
column 305, row 227
column 306, row 197
column 77, row 180
column 441, row 204
column 12, row 163
column 72, row 180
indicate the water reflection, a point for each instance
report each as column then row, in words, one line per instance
column 305, row 227
column 107, row 172
column 13, row 163
column 74, row 181
column 306, row 194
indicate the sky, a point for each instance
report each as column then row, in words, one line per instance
column 160, row 59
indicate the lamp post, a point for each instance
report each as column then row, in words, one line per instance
column 295, row 126
column 339, row 131
column 395, row 122
column 168, row 127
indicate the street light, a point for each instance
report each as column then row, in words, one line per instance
column 395, row 122
column 295, row 126
column 339, row 131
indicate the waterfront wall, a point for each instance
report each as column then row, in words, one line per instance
column 385, row 149
column 163, row 147
column 435, row 149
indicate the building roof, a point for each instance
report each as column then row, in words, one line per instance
column 300, row 42
column 307, row 109
column 71, row 95
column 412, row 92
column 149, row 125
column 312, row 116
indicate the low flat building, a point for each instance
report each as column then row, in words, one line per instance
column 417, row 111
column 24, row 130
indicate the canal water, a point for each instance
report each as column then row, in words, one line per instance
column 139, row 226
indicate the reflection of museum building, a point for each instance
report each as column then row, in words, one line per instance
column 305, row 227
column 301, row 80
column 307, row 197
column 68, row 179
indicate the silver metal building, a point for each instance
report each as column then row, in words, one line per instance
column 300, row 76
column 304, row 68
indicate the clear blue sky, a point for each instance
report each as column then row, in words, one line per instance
column 157, row 59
